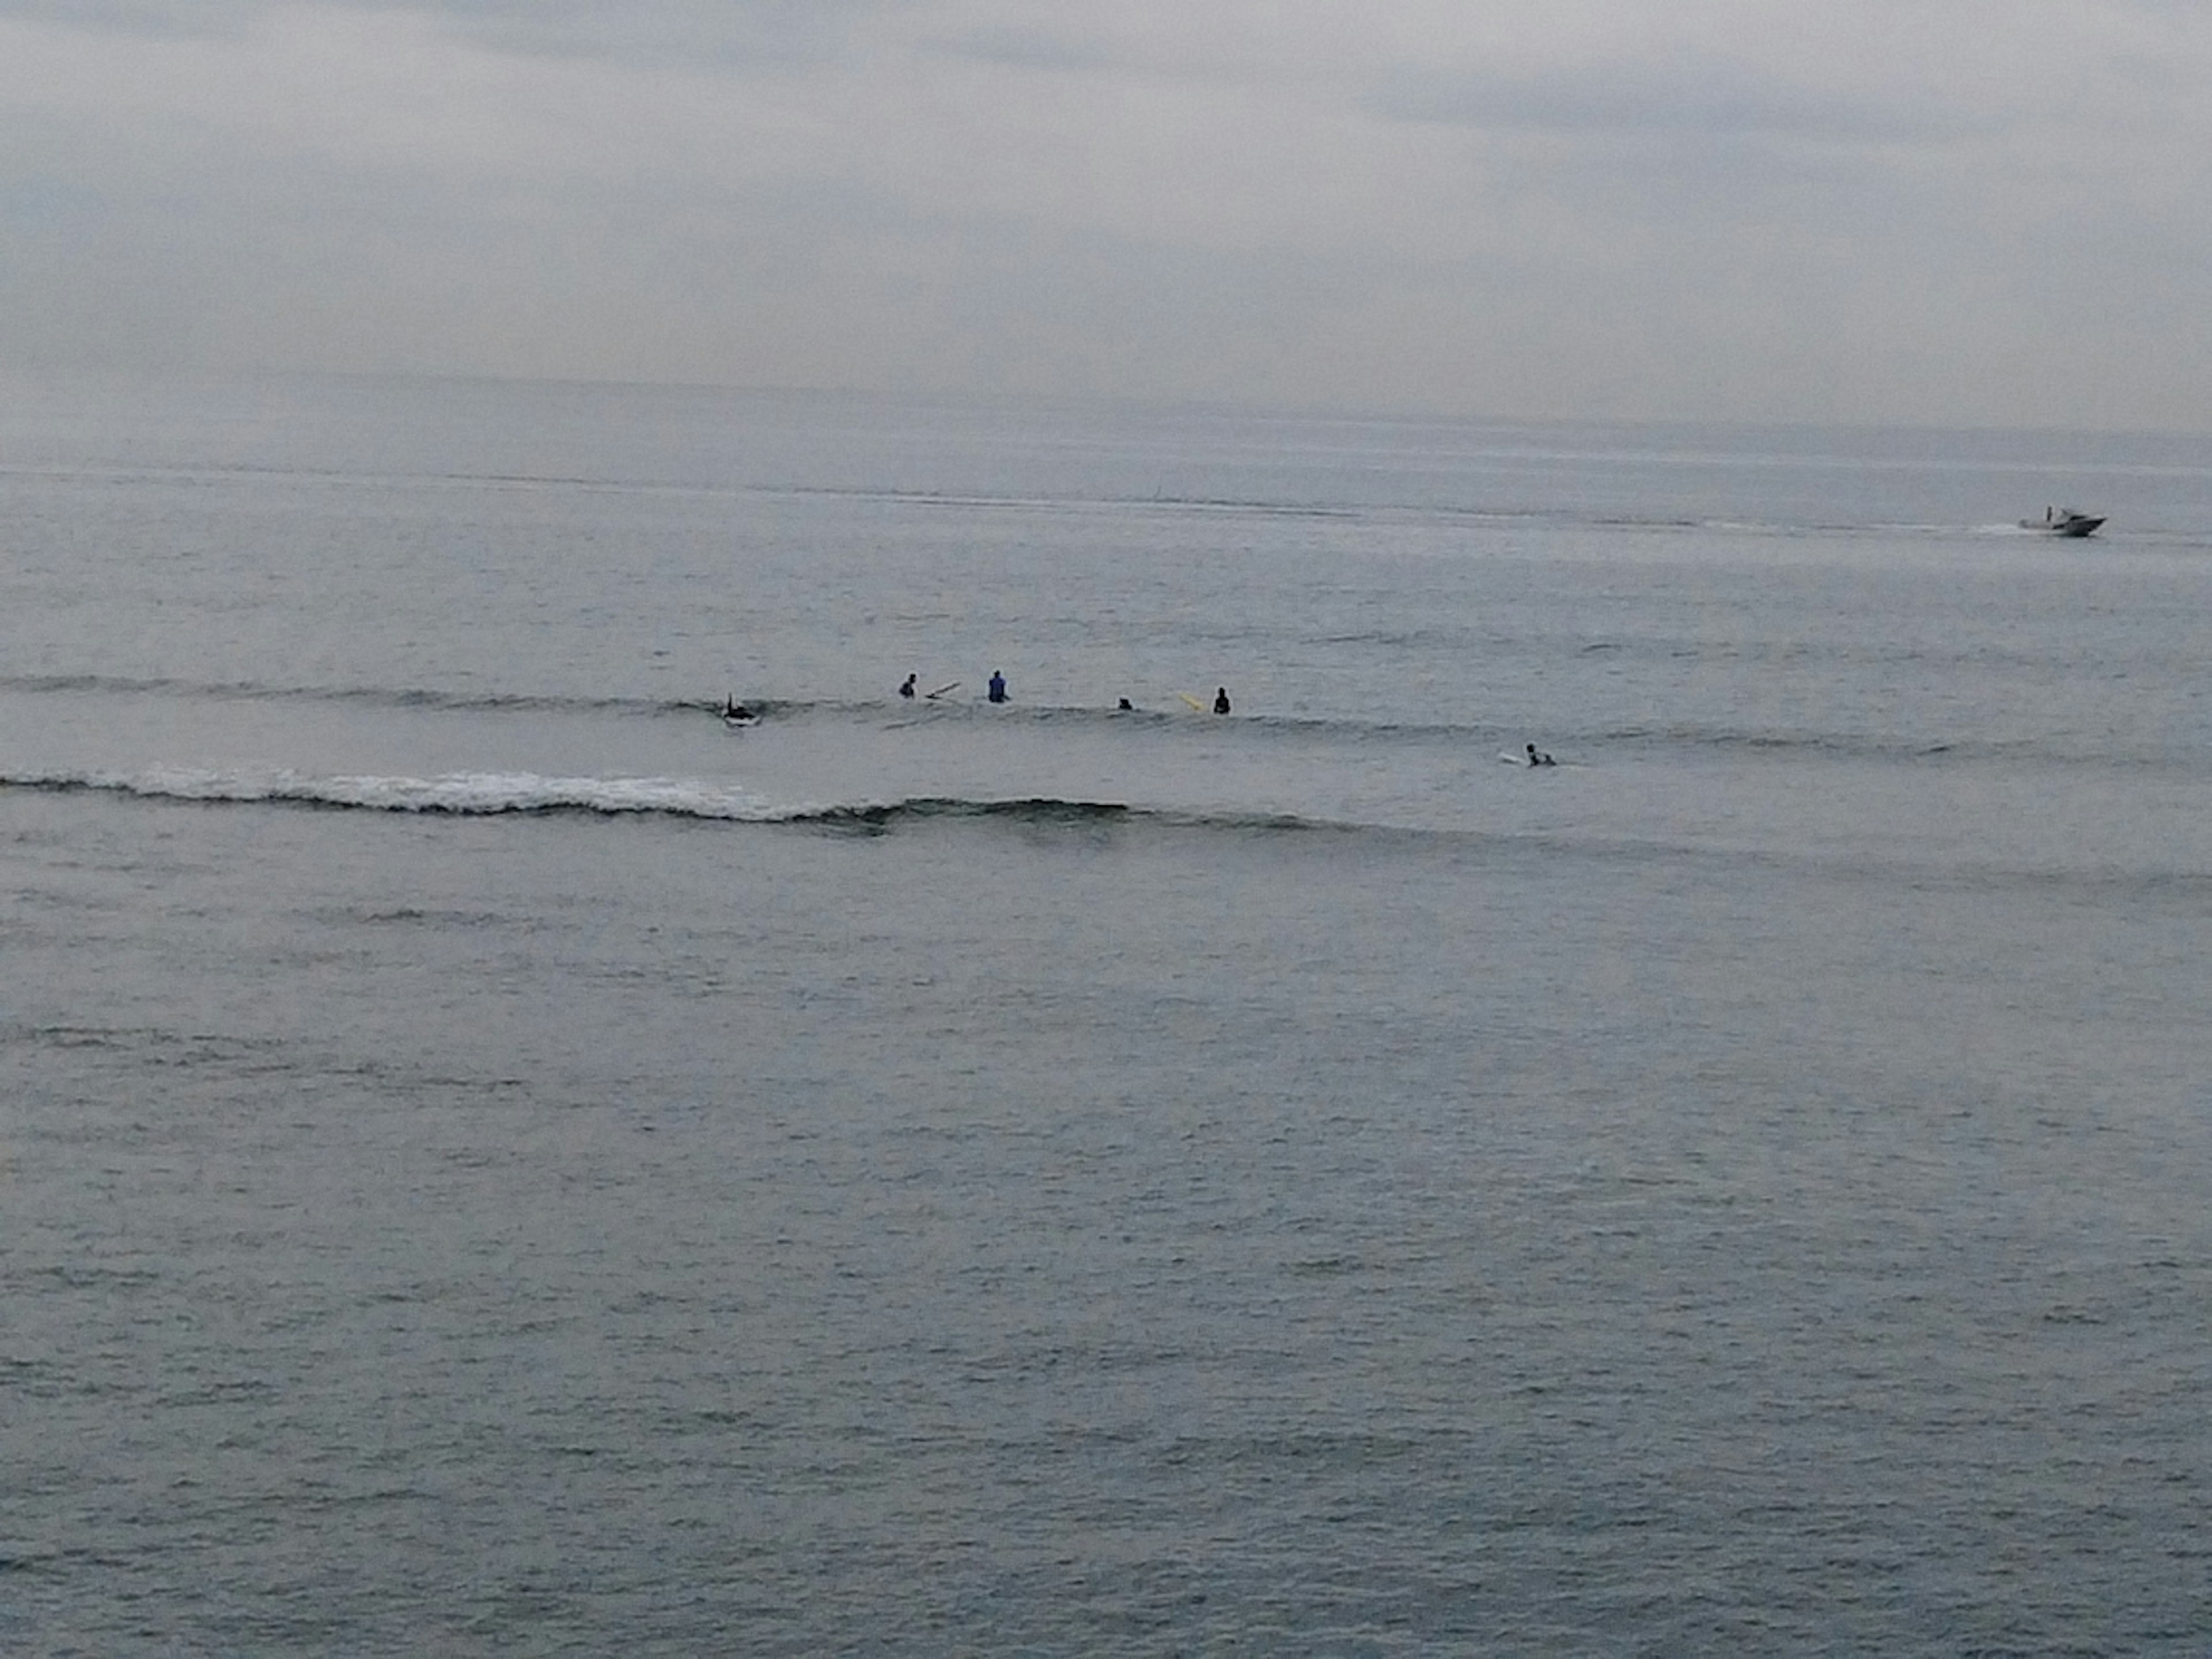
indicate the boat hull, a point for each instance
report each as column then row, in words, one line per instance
column 2064, row 522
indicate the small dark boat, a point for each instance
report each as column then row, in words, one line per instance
column 2063, row 521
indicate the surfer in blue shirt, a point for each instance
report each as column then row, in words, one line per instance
column 998, row 686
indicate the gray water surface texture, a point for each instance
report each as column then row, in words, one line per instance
column 495, row 1161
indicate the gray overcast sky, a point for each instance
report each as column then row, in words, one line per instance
column 1917, row 210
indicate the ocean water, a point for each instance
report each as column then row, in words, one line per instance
column 496, row 1161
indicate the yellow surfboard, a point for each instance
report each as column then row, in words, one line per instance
column 1202, row 707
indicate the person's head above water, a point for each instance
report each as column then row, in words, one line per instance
column 1126, row 704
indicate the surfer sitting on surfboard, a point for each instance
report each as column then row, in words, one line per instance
column 998, row 686
column 906, row 688
column 1220, row 699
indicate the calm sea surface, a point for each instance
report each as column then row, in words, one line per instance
column 494, row 1160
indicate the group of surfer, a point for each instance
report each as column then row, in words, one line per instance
column 736, row 714
column 996, row 691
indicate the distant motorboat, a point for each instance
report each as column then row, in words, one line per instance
column 2063, row 521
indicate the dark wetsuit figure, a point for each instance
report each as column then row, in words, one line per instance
column 1220, row 699
column 907, row 689
column 1536, row 759
column 998, row 686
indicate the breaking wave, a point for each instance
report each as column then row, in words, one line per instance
column 495, row 794
column 460, row 795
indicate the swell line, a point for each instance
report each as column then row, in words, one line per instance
column 373, row 696
column 460, row 794
column 485, row 794
column 490, row 795
column 876, row 709
column 1877, row 745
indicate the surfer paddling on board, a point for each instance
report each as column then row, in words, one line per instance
column 998, row 686
column 906, row 688
column 1536, row 759
column 735, row 713
column 1220, row 699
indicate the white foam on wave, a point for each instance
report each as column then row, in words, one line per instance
column 463, row 793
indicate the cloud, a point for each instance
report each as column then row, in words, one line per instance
column 1685, row 95
column 157, row 19
column 1029, row 48
column 1715, row 207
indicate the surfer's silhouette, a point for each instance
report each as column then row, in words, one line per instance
column 906, row 688
column 1220, row 699
column 998, row 686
